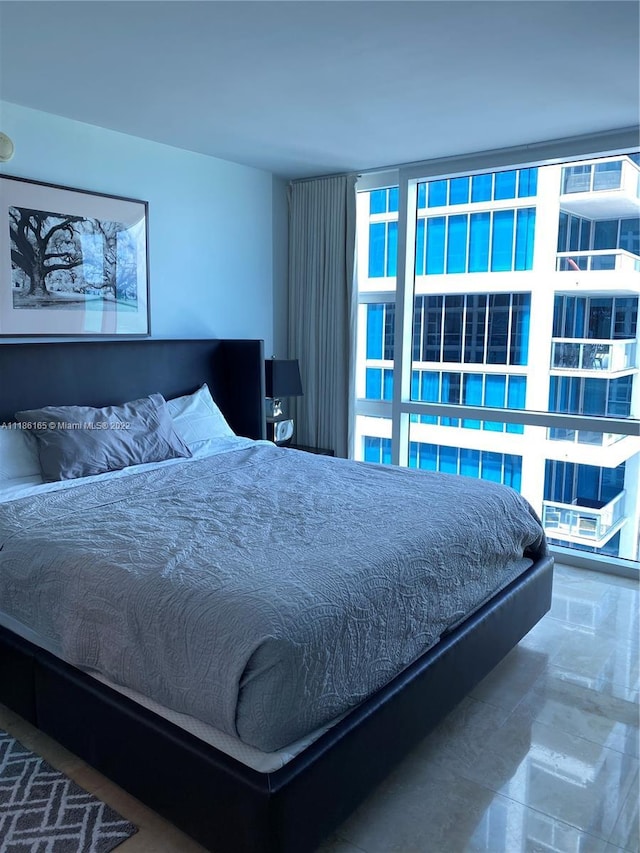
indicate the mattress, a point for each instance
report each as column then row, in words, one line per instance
column 279, row 590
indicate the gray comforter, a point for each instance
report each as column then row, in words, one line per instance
column 264, row 590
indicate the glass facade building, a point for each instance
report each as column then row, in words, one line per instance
column 524, row 298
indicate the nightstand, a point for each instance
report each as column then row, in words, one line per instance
column 321, row 451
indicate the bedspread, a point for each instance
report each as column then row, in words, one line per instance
column 263, row 590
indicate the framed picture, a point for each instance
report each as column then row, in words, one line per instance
column 71, row 262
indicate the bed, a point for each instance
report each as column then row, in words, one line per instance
column 225, row 799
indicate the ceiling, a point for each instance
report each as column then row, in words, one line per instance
column 308, row 88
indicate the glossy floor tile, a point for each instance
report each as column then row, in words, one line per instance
column 542, row 756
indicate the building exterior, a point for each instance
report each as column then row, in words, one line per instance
column 525, row 297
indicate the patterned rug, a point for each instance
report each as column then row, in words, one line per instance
column 43, row 811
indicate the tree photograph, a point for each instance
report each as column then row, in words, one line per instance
column 63, row 261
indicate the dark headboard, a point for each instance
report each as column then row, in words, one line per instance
column 102, row 373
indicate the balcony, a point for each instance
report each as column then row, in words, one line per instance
column 584, row 436
column 598, row 260
column 604, row 358
column 602, row 189
column 583, row 524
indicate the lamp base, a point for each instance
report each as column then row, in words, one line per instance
column 274, row 407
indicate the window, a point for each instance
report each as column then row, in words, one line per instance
column 521, row 298
column 499, row 241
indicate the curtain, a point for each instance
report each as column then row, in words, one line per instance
column 322, row 308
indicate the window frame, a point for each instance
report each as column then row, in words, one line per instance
column 401, row 407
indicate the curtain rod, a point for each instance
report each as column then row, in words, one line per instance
column 624, row 137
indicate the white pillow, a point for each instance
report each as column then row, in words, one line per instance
column 18, row 454
column 197, row 419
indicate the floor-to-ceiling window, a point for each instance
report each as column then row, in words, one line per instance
column 498, row 337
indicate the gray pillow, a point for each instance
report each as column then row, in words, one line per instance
column 77, row 441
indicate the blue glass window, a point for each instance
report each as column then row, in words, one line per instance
column 392, row 252
column 492, row 467
column 415, row 384
column 520, row 315
column 387, row 387
column 513, row 471
column 418, row 322
column 377, row 233
column 612, row 483
column 470, row 463
column 435, row 245
column 574, row 233
column 472, row 396
column 579, row 318
column 459, row 191
column 377, row 449
column 420, row 246
column 600, row 316
column 630, row 235
column 476, row 323
column 378, row 201
column 563, row 228
column 430, row 393
column 494, row 396
column 479, row 242
column 453, row 319
column 450, row 393
column 525, row 230
column 625, row 318
column 457, row 244
column 481, row 187
column 585, row 235
column 371, row 449
column 502, row 243
column 576, row 179
column 437, row 193
column 606, row 234
column 619, row 397
column 498, row 331
column 607, row 175
column 389, row 329
column 595, row 397
column 383, row 201
column 516, row 395
column 496, row 467
column 505, row 186
column 450, row 388
column 422, row 195
column 558, row 302
column 430, row 386
column 448, row 460
column 373, row 383
column 433, row 328
column 375, row 327
column 527, row 182
column 429, row 457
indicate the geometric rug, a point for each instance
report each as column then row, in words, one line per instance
column 43, row 811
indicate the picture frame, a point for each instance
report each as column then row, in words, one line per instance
column 72, row 262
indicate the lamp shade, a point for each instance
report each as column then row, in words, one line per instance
column 283, row 378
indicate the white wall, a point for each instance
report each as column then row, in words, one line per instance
column 211, row 235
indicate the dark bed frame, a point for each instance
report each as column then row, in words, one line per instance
column 226, row 806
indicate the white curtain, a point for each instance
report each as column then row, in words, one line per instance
column 322, row 217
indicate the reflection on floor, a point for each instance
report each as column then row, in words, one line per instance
column 542, row 756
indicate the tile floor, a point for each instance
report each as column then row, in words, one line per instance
column 542, row 756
